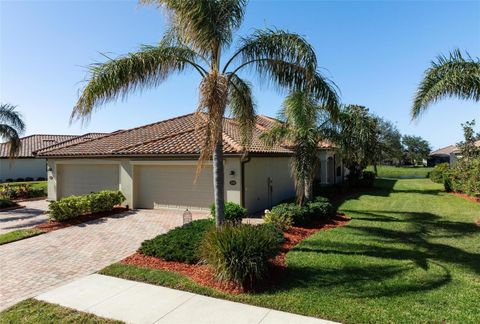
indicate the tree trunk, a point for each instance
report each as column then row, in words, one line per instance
column 218, row 183
column 308, row 190
column 375, row 169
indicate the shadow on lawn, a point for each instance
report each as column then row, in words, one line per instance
column 406, row 246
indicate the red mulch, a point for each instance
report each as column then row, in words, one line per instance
column 467, row 197
column 203, row 274
column 52, row 225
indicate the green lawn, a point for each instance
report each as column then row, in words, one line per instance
column 405, row 172
column 410, row 254
column 34, row 311
column 19, row 235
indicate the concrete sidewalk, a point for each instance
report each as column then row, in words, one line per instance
column 135, row 302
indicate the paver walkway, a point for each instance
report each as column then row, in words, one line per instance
column 35, row 265
column 136, row 302
column 32, row 214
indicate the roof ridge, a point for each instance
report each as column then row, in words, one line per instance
column 54, row 146
column 154, row 140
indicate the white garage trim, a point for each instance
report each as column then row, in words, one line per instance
column 169, row 162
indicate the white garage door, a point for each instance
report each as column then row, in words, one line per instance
column 173, row 186
column 79, row 179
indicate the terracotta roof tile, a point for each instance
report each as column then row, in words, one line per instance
column 173, row 136
column 33, row 143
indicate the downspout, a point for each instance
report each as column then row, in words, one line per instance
column 244, row 160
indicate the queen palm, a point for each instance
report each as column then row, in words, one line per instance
column 11, row 127
column 199, row 33
column 300, row 116
column 455, row 75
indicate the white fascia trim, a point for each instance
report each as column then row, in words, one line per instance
column 194, row 162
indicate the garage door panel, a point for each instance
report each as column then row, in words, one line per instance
column 173, row 186
column 79, row 179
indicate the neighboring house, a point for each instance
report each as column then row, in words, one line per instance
column 155, row 166
column 448, row 154
column 25, row 165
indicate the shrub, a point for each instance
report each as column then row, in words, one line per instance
column 465, row 176
column 241, row 253
column 320, row 207
column 9, row 180
column 28, row 179
column 438, row 173
column 181, row 244
column 41, row 179
column 74, row 206
column 233, row 212
column 368, row 179
column 20, row 180
column 281, row 221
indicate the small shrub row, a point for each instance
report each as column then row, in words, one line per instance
column 464, row 177
column 22, row 191
column 74, row 206
column 233, row 212
column 5, row 203
column 240, row 253
column 181, row 244
column 298, row 215
column 28, row 179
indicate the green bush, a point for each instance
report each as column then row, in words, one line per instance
column 465, row 176
column 281, row 221
column 438, row 173
column 181, row 244
column 241, row 253
column 368, row 179
column 233, row 212
column 74, row 206
column 320, row 207
column 5, row 203
column 21, row 191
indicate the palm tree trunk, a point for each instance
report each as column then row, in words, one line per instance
column 308, row 190
column 218, row 183
column 375, row 169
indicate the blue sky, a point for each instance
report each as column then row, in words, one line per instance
column 375, row 52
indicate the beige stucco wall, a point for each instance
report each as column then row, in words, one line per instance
column 22, row 168
column 258, row 172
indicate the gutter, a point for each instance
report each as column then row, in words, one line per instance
column 244, row 160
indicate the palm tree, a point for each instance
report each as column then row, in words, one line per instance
column 199, row 32
column 449, row 76
column 11, row 127
column 299, row 128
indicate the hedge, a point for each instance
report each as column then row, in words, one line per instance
column 320, row 207
column 233, row 212
column 74, row 206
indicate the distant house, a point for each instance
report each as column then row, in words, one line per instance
column 448, row 154
column 25, row 165
column 155, row 166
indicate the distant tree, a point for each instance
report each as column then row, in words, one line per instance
column 415, row 148
column 300, row 116
column 389, row 143
column 448, row 76
column 356, row 135
column 11, row 127
column 469, row 147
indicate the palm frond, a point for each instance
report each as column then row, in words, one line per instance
column 448, row 76
column 117, row 78
column 204, row 24
column 242, row 107
column 10, row 135
column 11, row 127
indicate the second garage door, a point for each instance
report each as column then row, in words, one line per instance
column 79, row 179
column 172, row 186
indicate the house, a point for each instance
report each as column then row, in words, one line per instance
column 155, row 166
column 25, row 165
column 448, row 154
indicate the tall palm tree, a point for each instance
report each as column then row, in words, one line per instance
column 448, row 76
column 199, row 32
column 11, row 127
column 300, row 116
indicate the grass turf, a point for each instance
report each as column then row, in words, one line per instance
column 385, row 171
column 19, row 235
column 410, row 254
column 34, row 311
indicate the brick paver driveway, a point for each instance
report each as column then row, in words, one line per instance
column 29, row 216
column 35, row 265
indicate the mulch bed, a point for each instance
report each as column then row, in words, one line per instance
column 52, row 225
column 204, row 275
column 467, row 197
